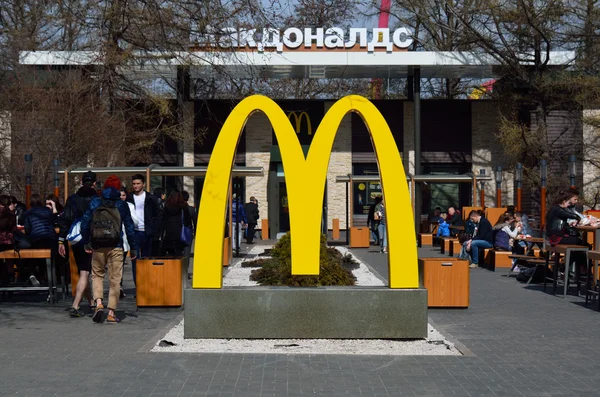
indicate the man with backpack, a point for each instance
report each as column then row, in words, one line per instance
column 102, row 228
column 74, row 209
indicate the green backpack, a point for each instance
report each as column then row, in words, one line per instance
column 106, row 226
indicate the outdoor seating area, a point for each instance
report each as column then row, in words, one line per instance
column 561, row 269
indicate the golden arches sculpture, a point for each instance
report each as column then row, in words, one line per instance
column 305, row 215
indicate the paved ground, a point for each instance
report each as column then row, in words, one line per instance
column 519, row 342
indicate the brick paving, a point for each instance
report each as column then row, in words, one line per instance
column 518, row 341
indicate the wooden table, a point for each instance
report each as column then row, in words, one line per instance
column 531, row 242
column 591, row 229
column 33, row 254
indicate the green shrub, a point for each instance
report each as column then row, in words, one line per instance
column 335, row 268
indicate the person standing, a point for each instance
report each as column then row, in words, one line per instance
column 252, row 215
column 484, row 237
column 373, row 220
column 148, row 214
column 126, row 246
column 175, row 217
column 380, row 212
column 102, row 229
column 75, row 207
column 187, row 249
column 239, row 221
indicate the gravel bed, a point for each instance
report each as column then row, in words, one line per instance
column 236, row 275
column 434, row 345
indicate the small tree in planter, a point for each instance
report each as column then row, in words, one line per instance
column 335, row 268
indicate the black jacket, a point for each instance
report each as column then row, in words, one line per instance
column 252, row 214
column 75, row 207
column 39, row 224
column 484, row 231
column 172, row 221
column 556, row 222
column 152, row 216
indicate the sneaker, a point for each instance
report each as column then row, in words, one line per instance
column 473, row 265
column 73, row 312
column 98, row 314
column 112, row 320
column 34, row 281
column 122, row 294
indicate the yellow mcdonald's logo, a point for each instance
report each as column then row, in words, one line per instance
column 305, row 215
column 298, row 121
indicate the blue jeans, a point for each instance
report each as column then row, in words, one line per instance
column 144, row 244
column 382, row 236
column 475, row 246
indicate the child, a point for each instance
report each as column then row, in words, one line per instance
column 443, row 227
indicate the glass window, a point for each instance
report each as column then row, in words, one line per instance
column 365, row 192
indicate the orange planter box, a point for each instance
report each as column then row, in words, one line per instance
column 447, row 281
column 360, row 237
column 159, row 282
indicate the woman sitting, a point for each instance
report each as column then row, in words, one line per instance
column 39, row 224
column 39, row 228
column 562, row 221
column 8, row 223
column 504, row 234
column 8, row 226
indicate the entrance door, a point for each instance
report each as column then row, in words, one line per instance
column 284, row 209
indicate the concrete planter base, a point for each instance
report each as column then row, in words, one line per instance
column 306, row 313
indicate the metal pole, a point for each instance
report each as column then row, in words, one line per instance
column 499, row 187
column 543, row 173
column 347, row 214
column 519, row 178
column 28, row 171
column 474, row 191
column 482, row 195
column 572, row 170
column 417, row 122
column 55, row 165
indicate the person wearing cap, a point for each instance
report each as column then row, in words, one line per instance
column 75, row 207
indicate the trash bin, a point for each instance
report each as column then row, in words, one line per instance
column 159, row 282
column 447, row 281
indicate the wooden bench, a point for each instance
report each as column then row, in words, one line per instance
column 495, row 258
column 425, row 239
column 445, row 244
column 455, row 247
column 33, row 254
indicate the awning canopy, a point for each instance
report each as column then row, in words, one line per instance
column 323, row 64
column 155, row 170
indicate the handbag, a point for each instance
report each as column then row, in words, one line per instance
column 186, row 235
column 74, row 235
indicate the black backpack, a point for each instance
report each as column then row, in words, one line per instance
column 106, row 225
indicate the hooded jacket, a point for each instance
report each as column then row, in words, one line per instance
column 113, row 195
